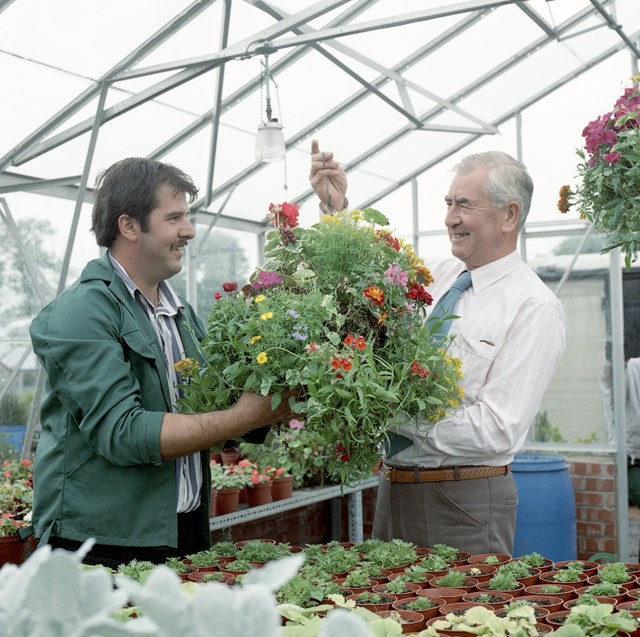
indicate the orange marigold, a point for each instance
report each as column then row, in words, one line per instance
column 374, row 294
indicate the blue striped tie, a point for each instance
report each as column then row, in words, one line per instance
column 444, row 307
column 447, row 304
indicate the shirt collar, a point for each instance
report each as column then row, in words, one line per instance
column 487, row 275
column 166, row 294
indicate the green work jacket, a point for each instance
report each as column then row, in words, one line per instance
column 98, row 471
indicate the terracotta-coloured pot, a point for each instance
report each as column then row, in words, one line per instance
column 426, row 613
column 448, row 594
column 411, row 621
column 231, row 455
column 556, row 619
column 479, row 572
column 549, row 578
column 411, row 590
column 281, row 488
column 258, row 494
column 620, row 597
column 340, row 581
column 375, row 607
column 566, row 592
column 530, row 580
column 459, row 608
column 516, row 592
column 422, row 583
column 469, row 584
column 12, row 550
column 499, row 599
column 601, row 598
column 480, row 558
column 227, row 500
column 588, row 568
column 213, row 503
column 205, row 577
column 549, row 602
column 546, row 566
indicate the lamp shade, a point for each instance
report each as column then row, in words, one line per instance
column 270, row 142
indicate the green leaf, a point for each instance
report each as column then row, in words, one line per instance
column 375, row 216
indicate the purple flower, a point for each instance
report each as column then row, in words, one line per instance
column 298, row 336
column 293, row 313
column 266, row 280
column 612, row 158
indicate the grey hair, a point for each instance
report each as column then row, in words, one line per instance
column 507, row 179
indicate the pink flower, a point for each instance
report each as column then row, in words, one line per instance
column 294, row 423
column 612, row 158
column 266, row 280
column 396, row 275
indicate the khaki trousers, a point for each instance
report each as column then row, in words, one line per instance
column 475, row 516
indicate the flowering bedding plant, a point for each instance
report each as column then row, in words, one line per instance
column 16, row 495
column 609, row 195
column 335, row 314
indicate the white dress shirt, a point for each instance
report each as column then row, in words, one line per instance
column 509, row 337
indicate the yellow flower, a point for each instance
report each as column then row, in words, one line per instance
column 266, row 316
column 187, row 367
column 253, row 339
column 259, row 298
column 262, row 358
column 357, row 215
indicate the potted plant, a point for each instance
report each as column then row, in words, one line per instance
column 16, row 499
column 137, row 570
column 572, row 576
column 426, row 606
column 494, row 559
column 227, row 480
column 536, row 560
column 502, row 581
column 615, row 572
column 599, row 619
column 281, row 482
column 493, row 599
column 357, row 580
column 450, row 553
column 394, row 555
column 481, row 620
column 479, row 572
column 410, row 621
column 373, row 601
column 454, row 579
column 564, row 591
column 397, row 587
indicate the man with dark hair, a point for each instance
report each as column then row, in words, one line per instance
column 114, row 461
column 453, row 485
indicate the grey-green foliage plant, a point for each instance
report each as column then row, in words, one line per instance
column 393, row 554
column 604, row 588
column 615, row 572
column 503, row 581
column 533, row 559
column 137, row 570
column 598, row 620
column 449, row 553
column 451, row 579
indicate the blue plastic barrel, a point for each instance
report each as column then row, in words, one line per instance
column 13, row 435
column 546, row 514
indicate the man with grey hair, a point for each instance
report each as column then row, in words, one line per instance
column 453, row 485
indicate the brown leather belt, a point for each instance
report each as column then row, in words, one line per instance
column 417, row 475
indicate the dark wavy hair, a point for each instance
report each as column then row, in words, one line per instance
column 130, row 186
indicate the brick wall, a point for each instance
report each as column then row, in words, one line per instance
column 595, row 490
column 593, row 483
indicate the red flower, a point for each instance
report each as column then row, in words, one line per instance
column 389, row 239
column 217, row 296
column 230, row 287
column 284, row 214
column 335, row 363
column 418, row 292
column 361, row 344
column 374, row 294
column 341, row 452
column 419, row 370
column 346, row 364
column 349, row 340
